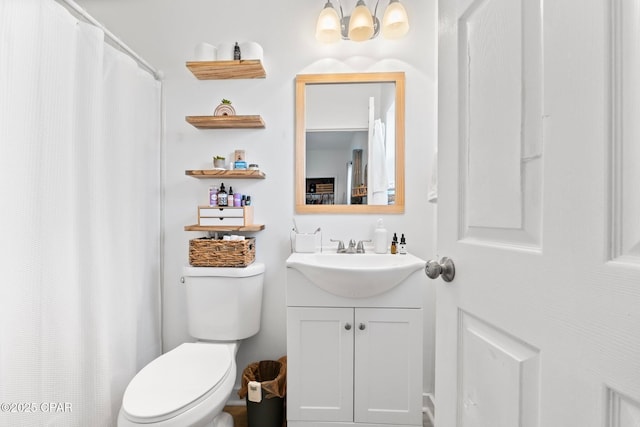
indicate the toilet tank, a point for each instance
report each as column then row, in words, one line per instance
column 224, row 304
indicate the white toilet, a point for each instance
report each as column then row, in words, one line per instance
column 190, row 385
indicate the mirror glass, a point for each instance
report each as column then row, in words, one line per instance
column 350, row 143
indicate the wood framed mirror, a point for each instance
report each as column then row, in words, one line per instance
column 350, row 143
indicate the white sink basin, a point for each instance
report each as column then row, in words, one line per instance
column 355, row 275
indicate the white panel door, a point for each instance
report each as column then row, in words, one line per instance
column 388, row 366
column 320, row 364
column 539, row 207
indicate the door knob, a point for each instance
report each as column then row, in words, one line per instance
column 444, row 268
column 362, row 326
column 347, row 326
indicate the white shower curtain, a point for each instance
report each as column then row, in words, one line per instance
column 80, row 136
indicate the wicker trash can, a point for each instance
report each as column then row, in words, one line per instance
column 264, row 386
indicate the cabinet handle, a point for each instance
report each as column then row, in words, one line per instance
column 362, row 326
column 347, row 326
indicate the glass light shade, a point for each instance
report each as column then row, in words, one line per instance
column 328, row 26
column 395, row 22
column 361, row 23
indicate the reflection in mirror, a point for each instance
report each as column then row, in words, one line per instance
column 350, row 143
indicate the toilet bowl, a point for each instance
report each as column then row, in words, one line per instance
column 189, row 385
column 183, row 387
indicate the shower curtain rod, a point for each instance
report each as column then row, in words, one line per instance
column 74, row 7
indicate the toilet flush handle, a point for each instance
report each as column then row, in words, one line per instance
column 182, row 279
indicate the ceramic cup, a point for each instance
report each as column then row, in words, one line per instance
column 251, row 50
column 219, row 163
column 225, row 51
column 205, row 52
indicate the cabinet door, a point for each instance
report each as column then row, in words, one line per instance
column 388, row 366
column 320, row 364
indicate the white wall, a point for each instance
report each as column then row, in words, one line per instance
column 165, row 33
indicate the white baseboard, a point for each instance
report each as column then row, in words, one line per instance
column 428, row 405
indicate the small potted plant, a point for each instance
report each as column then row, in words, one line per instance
column 224, row 109
column 219, row 162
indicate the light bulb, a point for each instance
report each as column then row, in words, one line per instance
column 395, row 22
column 361, row 23
column 328, row 26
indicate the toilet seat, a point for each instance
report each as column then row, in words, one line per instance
column 176, row 381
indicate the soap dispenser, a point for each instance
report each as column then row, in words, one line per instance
column 380, row 238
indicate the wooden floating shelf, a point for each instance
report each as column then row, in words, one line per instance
column 219, row 70
column 196, row 227
column 217, row 173
column 226, row 122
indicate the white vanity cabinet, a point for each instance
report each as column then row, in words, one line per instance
column 320, row 351
column 353, row 362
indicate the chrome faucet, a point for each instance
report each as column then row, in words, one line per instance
column 352, row 249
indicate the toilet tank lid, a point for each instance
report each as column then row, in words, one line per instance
column 252, row 269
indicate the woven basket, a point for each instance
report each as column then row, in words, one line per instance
column 206, row 252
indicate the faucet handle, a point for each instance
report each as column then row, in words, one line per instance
column 340, row 245
column 360, row 248
column 352, row 243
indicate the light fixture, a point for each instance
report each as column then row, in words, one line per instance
column 395, row 22
column 361, row 25
column 328, row 27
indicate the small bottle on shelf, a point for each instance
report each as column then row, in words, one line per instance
column 394, row 244
column 236, row 52
column 213, row 196
column 222, row 196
